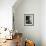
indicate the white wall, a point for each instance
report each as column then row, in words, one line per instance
column 6, row 13
column 43, row 22
column 31, row 32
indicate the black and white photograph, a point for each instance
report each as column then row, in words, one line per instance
column 28, row 19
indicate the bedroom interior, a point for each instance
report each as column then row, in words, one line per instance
column 23, row 23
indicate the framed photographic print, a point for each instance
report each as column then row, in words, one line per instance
column 29, row 19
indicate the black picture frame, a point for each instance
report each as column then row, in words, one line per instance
column 28, row 19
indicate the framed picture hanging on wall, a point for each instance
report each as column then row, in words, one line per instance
column 28, row 19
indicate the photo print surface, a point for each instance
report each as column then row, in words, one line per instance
column 28, row 19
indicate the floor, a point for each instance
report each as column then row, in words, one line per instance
column 8, row 43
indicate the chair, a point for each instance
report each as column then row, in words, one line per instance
column 18, row 37
column 29, row 43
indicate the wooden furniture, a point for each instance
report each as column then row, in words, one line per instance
column 29, row 43
column 18, row 39
column 16, row 34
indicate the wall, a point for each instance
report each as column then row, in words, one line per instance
column 6, row 16
column 6, row 13
column 29, row 32
column 43, row 22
